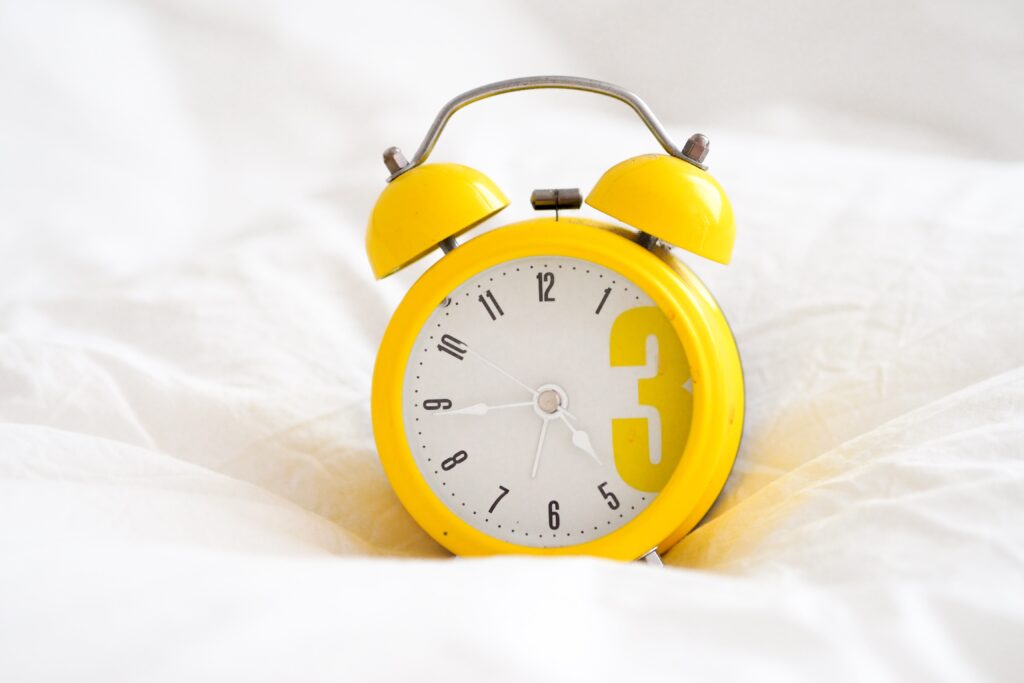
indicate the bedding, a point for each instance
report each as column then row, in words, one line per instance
column 189, row 487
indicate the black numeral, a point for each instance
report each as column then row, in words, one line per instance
column 437, row 404
column 487, row 305
column 453, row 347
column 609, row 497
column 607, row 291
column 449, row 464
column 504, row 492
column 545, row 281
column 553, row 518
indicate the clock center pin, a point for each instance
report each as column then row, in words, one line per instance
column 549, row 399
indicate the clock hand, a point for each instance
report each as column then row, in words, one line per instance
column 483, row 408
column 580, row 439
column 533, row 392
column 540, row 446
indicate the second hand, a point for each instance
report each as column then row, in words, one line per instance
column 533, row 392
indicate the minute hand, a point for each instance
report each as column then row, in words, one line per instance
column 533, row 392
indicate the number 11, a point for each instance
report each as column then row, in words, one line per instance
column 487, row 306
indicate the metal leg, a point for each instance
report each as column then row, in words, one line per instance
column 652, row 557
column 647, row 241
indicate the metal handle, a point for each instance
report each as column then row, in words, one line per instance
column 534, row 83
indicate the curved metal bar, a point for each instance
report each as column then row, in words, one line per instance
column 534, row 83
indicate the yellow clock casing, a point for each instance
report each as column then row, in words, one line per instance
column 667, row 199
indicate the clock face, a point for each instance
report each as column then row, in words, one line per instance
column 547, row 400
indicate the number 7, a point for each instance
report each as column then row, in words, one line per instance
column 504, row 492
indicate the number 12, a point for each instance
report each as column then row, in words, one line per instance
column 545, row 281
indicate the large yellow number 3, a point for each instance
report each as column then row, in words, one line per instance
column 664, row 391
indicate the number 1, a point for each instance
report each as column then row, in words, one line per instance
column 607, row 291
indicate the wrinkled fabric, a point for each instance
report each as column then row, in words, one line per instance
column 189, row 486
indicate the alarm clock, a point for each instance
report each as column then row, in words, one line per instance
column 557, row 386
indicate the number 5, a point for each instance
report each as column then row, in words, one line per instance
column 663, row 391
column 609, row 497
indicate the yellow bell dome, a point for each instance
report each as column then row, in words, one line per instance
column 423, row 207
column 670, row 199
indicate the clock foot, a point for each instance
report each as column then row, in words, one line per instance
column 652, row 557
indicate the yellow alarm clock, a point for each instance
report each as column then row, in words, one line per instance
column 558, row 386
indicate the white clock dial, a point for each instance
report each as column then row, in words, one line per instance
column 546, row 400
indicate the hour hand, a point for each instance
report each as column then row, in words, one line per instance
column 483, row 408
column 580, row 439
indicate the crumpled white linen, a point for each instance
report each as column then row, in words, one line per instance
column 189, row 488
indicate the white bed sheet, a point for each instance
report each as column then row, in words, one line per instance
column 189, row 488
